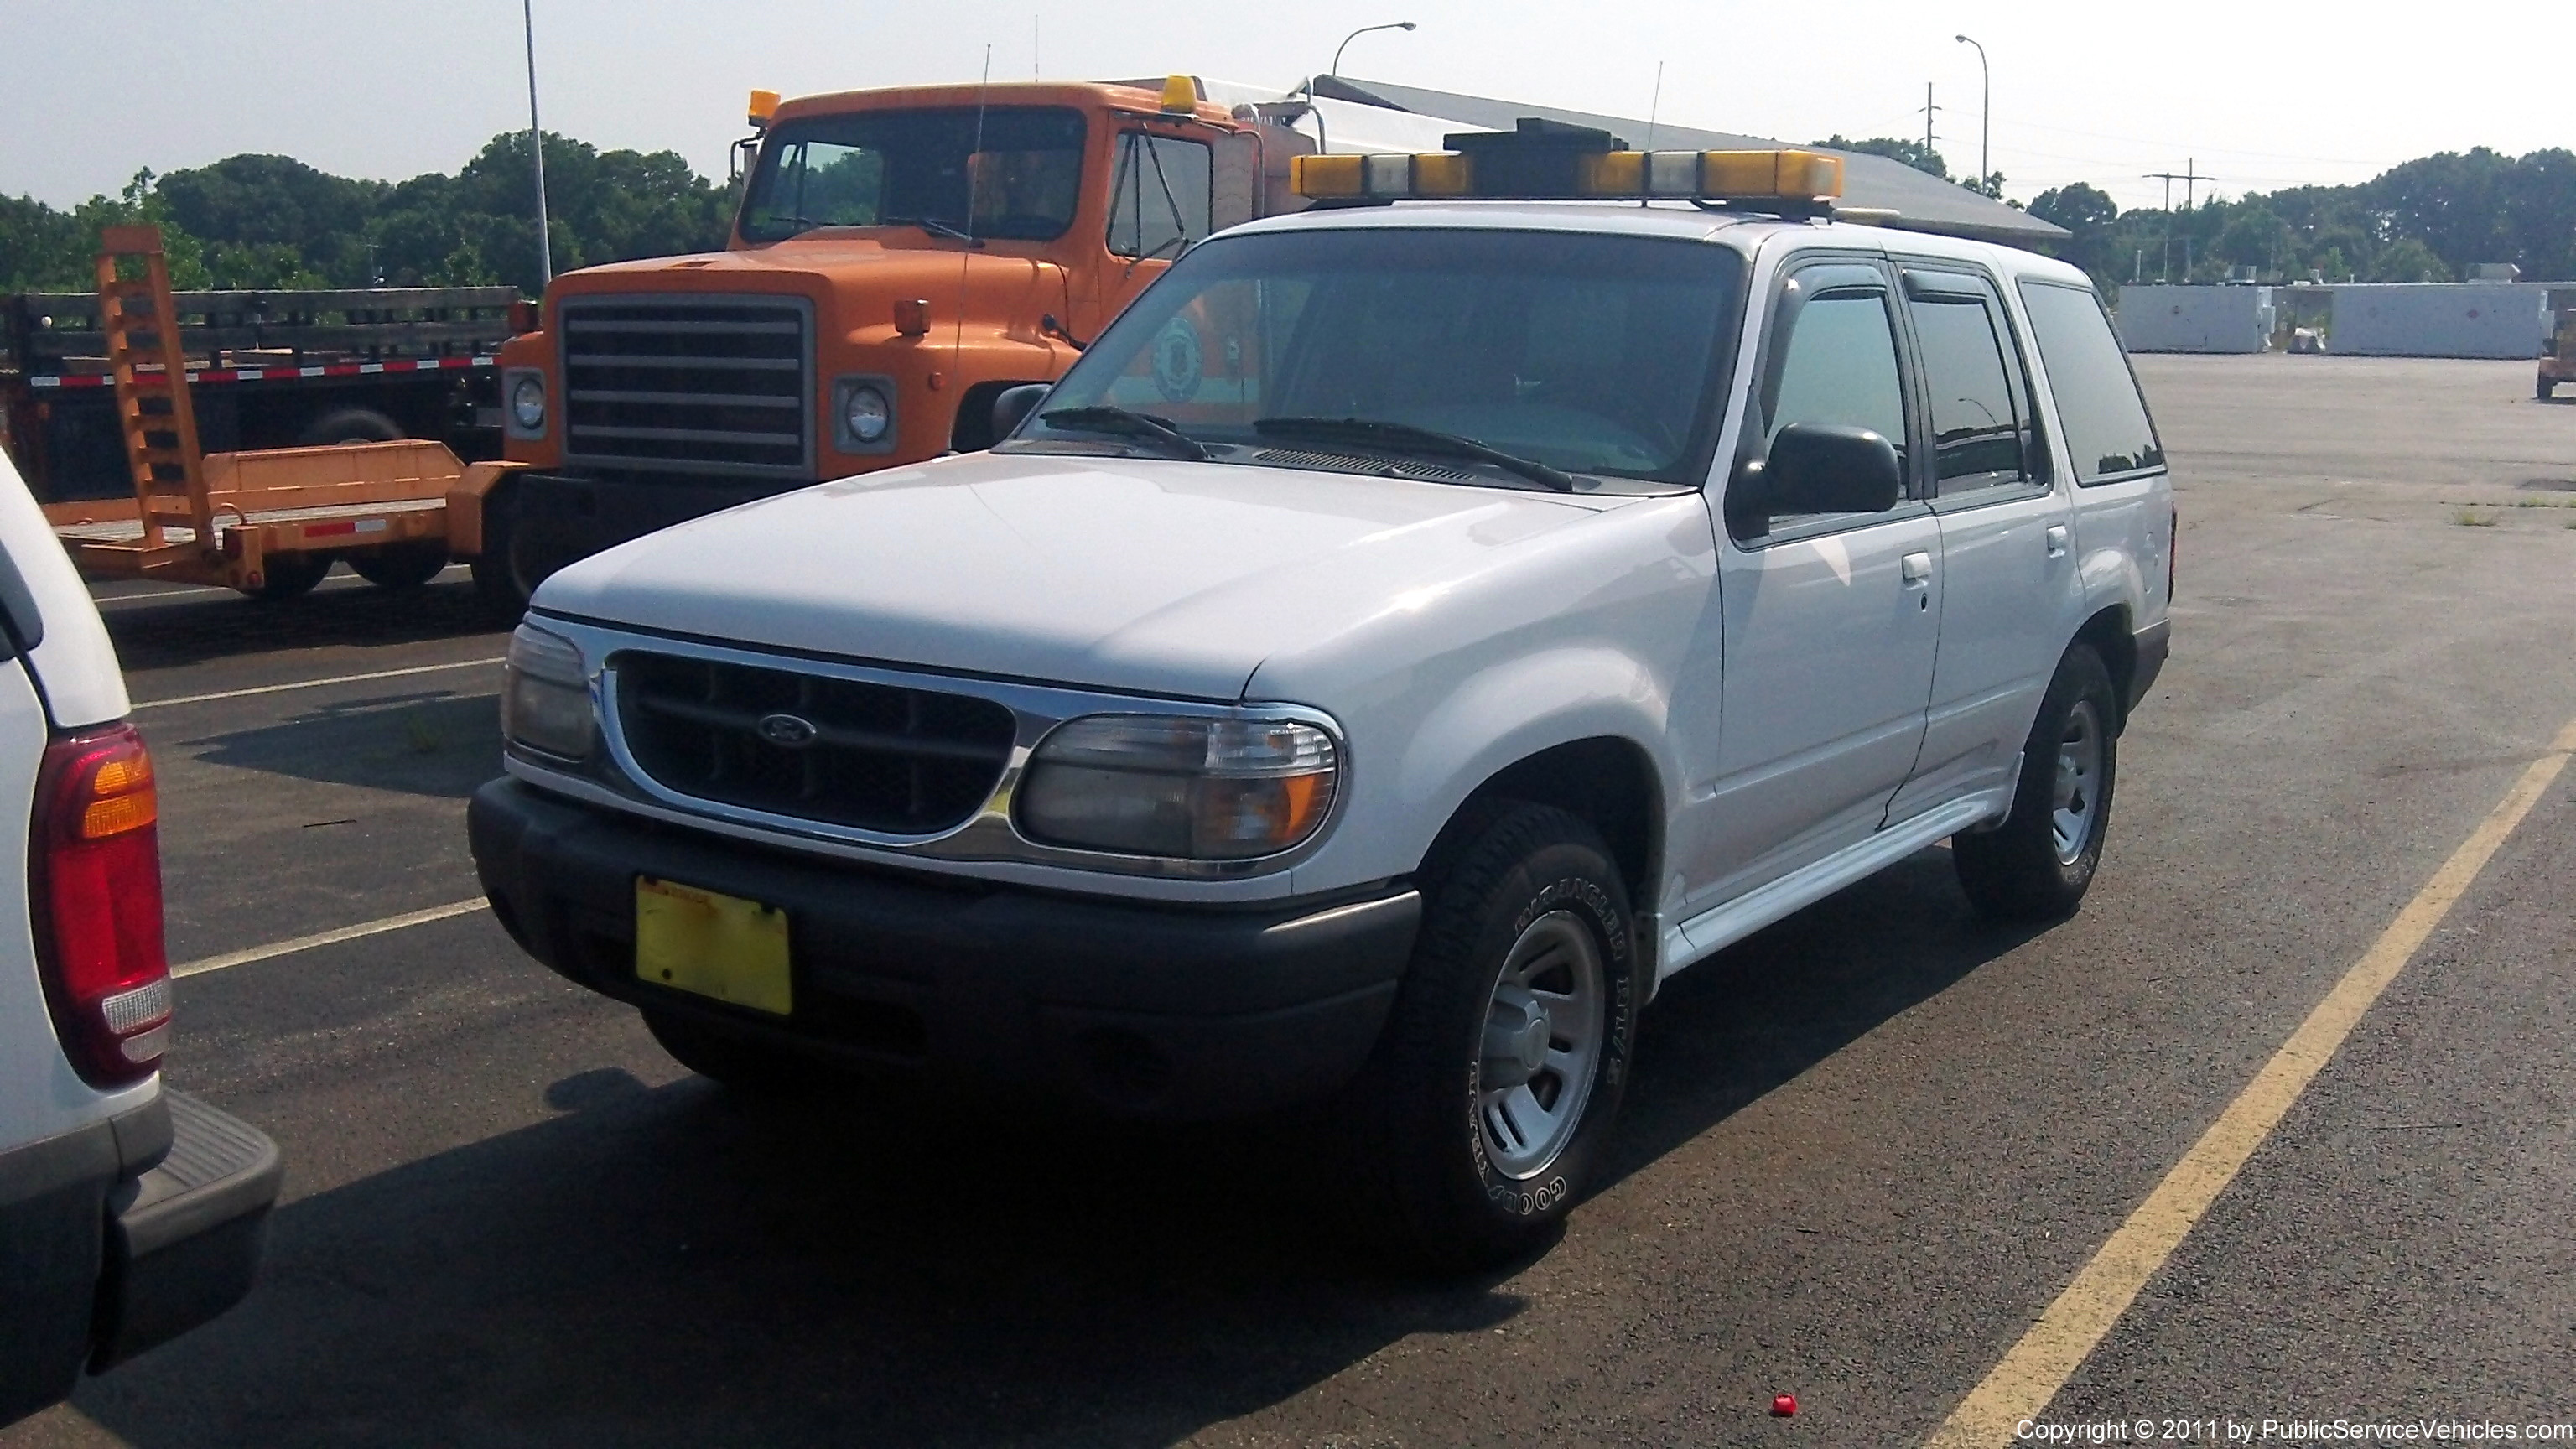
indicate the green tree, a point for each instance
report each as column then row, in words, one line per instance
column 2409, row 259
column 1912, row 153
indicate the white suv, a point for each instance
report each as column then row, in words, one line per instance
column 128, row 1213
column 1408, row 635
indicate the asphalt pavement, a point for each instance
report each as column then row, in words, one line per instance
column 1864, row 1152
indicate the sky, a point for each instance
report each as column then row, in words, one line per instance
column 92, row 90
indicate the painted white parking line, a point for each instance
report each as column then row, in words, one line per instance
column 314, row 683
column 328, row 938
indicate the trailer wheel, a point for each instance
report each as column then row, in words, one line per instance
column 400, row 565
column 289, row 576
column 350, row 425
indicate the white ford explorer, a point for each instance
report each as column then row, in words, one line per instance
column 1410, row 633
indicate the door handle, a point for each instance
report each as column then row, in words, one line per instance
column 2057, row 540
column 1916, row 567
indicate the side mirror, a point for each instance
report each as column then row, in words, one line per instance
column 1012, row 406
column 1831, row 468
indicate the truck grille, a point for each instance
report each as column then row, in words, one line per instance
column 878, row 756
column 698, row 385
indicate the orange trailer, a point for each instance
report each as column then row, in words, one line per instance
column 269, row 523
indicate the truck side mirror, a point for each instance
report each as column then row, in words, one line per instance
column 1012, row 406
column 1831, row 468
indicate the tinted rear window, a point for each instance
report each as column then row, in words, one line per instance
column 2107, row 429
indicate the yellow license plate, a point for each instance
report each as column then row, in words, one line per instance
column 711, row 944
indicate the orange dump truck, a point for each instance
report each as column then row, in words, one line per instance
column 900, row 258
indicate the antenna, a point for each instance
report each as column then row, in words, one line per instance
column 966, row 249
column 1033, row 47
column 1655, row 106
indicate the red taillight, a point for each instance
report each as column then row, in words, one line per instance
column 95, row 860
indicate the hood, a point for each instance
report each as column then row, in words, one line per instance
column 1135, row 575
column 879, row 262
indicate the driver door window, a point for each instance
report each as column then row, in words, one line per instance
column 1837, row 363
column 1159, row 196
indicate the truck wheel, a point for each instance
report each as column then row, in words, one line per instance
column 2036, row 865
column 494, row 580
column 1504, row 1057
column 2547, row 389
column 736, row 1063
column 400, row 565
column 537, row 547
column 350, row 425
column 289, row 575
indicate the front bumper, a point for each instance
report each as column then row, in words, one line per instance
column 564, row 518
column 1142, row 1008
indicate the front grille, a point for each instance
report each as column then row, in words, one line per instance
column 881, row 757
column 701, row 385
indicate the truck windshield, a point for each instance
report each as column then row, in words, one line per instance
column 907, row 168
column 1587, row 353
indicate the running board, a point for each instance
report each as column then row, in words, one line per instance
column 1710, row 932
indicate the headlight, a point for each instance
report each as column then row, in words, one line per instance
column 867, row 414
column 528, row 404
column 545, row 696
column 1179, row 788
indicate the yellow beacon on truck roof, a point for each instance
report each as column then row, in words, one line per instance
column 1544, row 161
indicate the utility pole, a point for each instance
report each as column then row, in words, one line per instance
column 1928, row 109
column 2190, row 175
column 537, row 145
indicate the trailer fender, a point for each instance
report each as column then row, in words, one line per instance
column 465, row 505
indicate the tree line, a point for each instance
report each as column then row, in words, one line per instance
column 262, row 222
column 273, row 222
column 2429, row 220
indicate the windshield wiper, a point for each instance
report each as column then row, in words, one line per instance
column 1143, row 427
column 1405, row 437
column 934, row 226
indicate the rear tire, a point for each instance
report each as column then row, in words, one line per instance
column 350, row 425
column 289, row 576
column 2037, row 865
column 734, row 1062
column 400, row 566
column 1498, row 1075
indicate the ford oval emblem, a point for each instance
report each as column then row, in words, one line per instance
column 786, row 731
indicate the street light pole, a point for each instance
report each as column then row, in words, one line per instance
column 537, row 145
column 1985, row 117
column 1337, row 70
column 1346, row 44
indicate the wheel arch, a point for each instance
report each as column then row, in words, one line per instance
column 2110, row 634
column 1608, row 781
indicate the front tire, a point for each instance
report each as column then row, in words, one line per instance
column 1482, row 1113
column 2037, row 865
column 288, row 576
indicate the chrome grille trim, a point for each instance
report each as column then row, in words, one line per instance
column 719, row 384
column 988, row 836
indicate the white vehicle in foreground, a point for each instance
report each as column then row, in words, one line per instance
column 1414, row 630
column 128, row 1213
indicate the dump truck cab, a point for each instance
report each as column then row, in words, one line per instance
column 900, row 258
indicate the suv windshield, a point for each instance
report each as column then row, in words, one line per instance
column 1587, row 353
column 907, row 168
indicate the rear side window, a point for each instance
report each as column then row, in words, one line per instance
column 2105, row 421
column 1977, row 421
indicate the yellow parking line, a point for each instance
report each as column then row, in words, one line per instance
column 2030, row 1375
column 327, row 938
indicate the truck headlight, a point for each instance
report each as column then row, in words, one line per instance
column 863, row 414
column 545, row 695
column 868, row 414
column 529, row 403
column 1179, row 788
